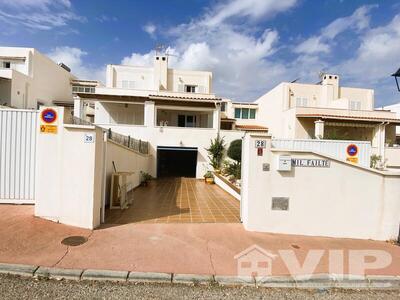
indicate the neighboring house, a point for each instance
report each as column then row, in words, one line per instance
column 174, row 110
column 327, row 111
column 29, row 79
column 395, row 108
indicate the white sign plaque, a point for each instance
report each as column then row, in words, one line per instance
column 88, row 138
column 261, row 143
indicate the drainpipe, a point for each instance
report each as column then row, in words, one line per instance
column 218, row 107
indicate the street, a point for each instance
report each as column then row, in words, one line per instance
column 14, row 287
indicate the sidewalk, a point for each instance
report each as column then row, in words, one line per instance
column 171, row 248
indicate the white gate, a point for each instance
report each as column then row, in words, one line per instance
column 17, row 155
column 334, row 148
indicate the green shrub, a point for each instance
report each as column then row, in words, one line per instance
column 235, row 150
column 216, row 152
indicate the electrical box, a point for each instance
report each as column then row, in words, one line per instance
column 284, row 163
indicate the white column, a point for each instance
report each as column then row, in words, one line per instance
column 149, row 114
column 78, row 107
column 319, row 129
column 217, row 117
column 378, row 140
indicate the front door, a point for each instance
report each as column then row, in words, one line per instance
column 181, row 120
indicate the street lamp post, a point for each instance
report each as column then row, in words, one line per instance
column 396, row 75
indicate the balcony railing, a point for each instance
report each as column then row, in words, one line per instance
column 130, row 142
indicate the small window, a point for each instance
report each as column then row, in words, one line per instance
column 301, row 101
column 81, row 89
column 355, row 105
column 252, row 113
column 190, row 88
column 223, row 106
column 237, row 113
column 245, row 113
column 87, row 89
column 6, row 65
column 74, row 89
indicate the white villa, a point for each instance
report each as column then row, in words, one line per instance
column 174, row 110
column 29, row 79
column 329, row 111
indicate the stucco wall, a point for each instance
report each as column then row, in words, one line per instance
column 125, row 160
column 340, row 201
column 69, row 175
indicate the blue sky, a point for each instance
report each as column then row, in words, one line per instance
column 250, row 45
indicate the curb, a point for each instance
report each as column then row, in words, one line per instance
column 316, row 281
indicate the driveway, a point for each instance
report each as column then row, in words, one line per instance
column 202, row 248
column 178, row 200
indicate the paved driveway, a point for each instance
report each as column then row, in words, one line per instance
column 178, row 200
column 177, row 248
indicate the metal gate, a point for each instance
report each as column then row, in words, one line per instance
column 17, row 155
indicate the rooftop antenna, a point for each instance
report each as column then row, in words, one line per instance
column 294, row 81
column 321, row 75
column 160, row 49
column 396, row 75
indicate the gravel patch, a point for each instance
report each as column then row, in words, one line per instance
column 15, row 287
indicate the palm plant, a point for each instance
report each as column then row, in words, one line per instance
column 216, row 152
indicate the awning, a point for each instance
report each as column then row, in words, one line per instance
column 251, row 127
column 353, row 118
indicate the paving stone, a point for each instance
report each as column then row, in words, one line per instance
column 235, row 280
column 108, row 275
column 192, row 278
column 59, row 273
column 276, row 281
column 150, row 277
column 18, row 269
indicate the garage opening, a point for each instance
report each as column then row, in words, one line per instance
column 176, row 161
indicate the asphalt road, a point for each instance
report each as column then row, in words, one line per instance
column 14, row 287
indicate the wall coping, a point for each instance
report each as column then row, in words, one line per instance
column 73, row 126
column 377, row 172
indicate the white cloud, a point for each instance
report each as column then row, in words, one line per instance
column 150, row 29
column 74, row 59
column 38, row 14
column 253, row 9
column 357, row 21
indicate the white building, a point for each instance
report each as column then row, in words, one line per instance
column 29, row 79
column 329, row 111
column 395, row 108
column 174, row 110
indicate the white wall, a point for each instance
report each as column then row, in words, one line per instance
column 69, row 175
column 126, row 160
column 340, row 201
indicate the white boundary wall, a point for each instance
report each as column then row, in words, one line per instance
column 342, row 200
column 335, row 148
column 17, row 155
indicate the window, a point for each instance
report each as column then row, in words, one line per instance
column 252, row 113
column 355, row 105
column 300, row 101
column 6, row 65
column 223, row 106
column 245, row 113
column 190, row 88
column 82, row 89
column 237, row 113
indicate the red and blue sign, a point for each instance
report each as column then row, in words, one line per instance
column 48, row 115
column 352, row 150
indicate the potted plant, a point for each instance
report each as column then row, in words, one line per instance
column 209, row 177
column 145, row 178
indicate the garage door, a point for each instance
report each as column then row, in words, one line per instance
column 176, row 161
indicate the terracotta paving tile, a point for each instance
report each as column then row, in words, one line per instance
column 178, row 200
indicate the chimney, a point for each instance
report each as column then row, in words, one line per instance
column 160, row 72
column 330, row 88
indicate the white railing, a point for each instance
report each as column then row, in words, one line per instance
column 334, row 148
column 17, row 155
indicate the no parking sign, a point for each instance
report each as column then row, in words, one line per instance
column 48, row 117
column 352, row 151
